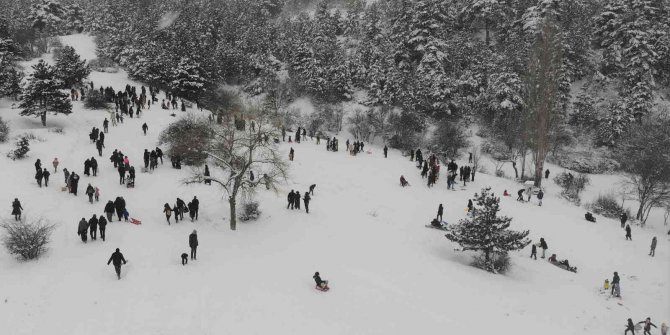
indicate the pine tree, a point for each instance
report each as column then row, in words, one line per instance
column 70, row 69
column 484, row 12
column 487, row 232
column 43, row 94
column 188, row 81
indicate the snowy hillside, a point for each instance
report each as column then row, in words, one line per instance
column 364, row 233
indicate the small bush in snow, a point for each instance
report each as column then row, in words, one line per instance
column 500, row 173
column 250, row 211
column 607, row 206
column 4, row 131
column 27, row 239
column 572, row 186
column 501, row 262
column 21, row 150
column 95, row 100
column 56, row 130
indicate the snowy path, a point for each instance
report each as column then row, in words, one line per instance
column 389, row 274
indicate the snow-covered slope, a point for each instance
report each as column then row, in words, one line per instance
column 388, row 273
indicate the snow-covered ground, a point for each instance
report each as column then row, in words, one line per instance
column 366, row 234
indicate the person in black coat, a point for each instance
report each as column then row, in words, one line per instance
column 74, row 183
column 38, row 176
column 624, row 218
column 182, row 208
column 177, row 212
column 16, row 209
column 119, row 206
column 99, row 146
column 102, row 224
column 93, row 227
column 628, row 235
column 45, row 175
column 94, row 166
column 307, row 199
column 630, row 327
column 87, row 167
column 116, row 259
column 296, row 200
column 320, row 283
column 546, row 174
column 122, row 174
column 291, row 202
column 533, row 252
column 145, row 128
column 543, row 245
column 191, row 211
column 82, row 229
column 90, row 191
column 311, row 189
column 520, row 195
column 159, row 154
column 193, row 243
column 109, row 210
column 386, row 152
column 38, row 165
column 146, row 158
column 440, row 211
column 196, row 207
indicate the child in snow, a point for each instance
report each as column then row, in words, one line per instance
column 184, row 258
column 97, row 194
column 606, row 286
column 403, row 181
column 630, row 327
column 647, row 326
column 505, row 194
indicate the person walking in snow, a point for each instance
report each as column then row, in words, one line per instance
column 99, row 145
column 38, row 176
column 386, row 152
column 94, row 166
column 533, row 251
column 116, row 259
column 647, row 326
column 615, row 282
column 182, row 208
column 146, row 159
column 307, row 199
column 623, row 218
column 55, row 164
column 296, row 200
column 66, row 175
column 196, row 207
column 90, row 191
column 16, row 209
column 119, row 206
column 191, row 210
column 291, row 202
column 38, row 165
column 546, row 174
column 630, row 327
column 102, row 225
column 440, row 211
column 109, row 210
column 208, row 181
column 87, row 167
column 291, row 154
column 628, row 235
column 97, row 194
column 82, row 229
column 540, row 195
column 193, row 243
column 145, row 128
column 45, row 175
column 122, row 174
column 664, row 329
column 168, row 212
column 652, row 251
column 105, row 125
column 520, row 195
column 93, row 227
column 544, row 246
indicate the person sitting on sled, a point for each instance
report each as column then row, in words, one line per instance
column 505, row 194
column 436, row 224
column 320, row 283
column 403, row 181
column 552, row 258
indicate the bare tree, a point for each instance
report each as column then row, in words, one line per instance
column 233, row 154
column 645, row 159
column 544, row 68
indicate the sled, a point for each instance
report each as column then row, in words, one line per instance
column 322, row 289
column 135, row 221
column 444, row 226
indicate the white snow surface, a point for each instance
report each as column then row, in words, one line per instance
column 366, row 234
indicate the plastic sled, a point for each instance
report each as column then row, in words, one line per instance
column 322, row 289
column 135, row 221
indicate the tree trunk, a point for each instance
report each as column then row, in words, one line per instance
column 233, row 212
column 523, row 165
column 44, row 119
column 539, row 167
